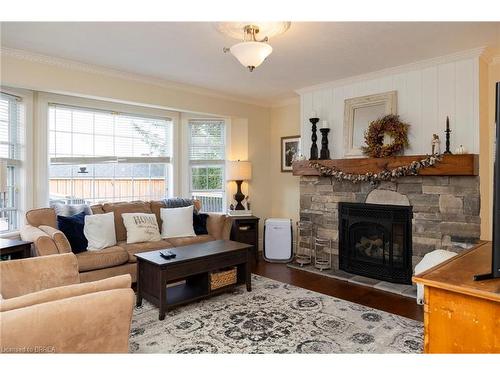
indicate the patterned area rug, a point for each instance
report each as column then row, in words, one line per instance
column 273, row 318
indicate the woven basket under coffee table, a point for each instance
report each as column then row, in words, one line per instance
column 224, row 278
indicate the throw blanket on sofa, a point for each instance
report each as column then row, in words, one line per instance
column 178, row 202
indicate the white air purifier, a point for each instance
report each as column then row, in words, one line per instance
column 278, row 240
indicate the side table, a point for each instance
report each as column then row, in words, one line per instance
column 245, row 229
column 16, row 249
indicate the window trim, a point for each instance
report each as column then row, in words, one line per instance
column 42, row 160
column 186, row 162
column 24, row 163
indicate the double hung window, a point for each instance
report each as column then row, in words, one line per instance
column 101, row 156
column 207, row 154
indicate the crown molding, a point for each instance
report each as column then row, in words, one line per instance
column 462, row 55
column 109, row 72
column 489, row 55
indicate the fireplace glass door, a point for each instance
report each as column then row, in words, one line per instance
column 375, row 241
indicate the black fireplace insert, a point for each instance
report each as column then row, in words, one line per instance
column 376, row 241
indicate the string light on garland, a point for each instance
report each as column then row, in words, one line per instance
column 411, row 169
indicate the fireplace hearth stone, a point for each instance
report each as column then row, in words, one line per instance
column 409, row 291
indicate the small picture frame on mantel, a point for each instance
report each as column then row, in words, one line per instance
column 290, row 149
column 359, row 112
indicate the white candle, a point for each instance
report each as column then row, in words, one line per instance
column 314, row 114
column 324, row 124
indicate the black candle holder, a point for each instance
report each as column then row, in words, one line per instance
column 325, row 152
column 447, row 131
column 314, row 138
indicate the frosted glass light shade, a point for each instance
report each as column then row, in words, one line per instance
column 251, row 54
column 238, row 170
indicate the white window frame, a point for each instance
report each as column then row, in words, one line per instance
column 186, row 187
column 42, row 161
column 23, row 167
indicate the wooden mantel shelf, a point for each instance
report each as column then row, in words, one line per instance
column 451, row 165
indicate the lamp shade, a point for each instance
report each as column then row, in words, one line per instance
column 238, row 170
column 251, row 54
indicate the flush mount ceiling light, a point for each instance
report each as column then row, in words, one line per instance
column 252, row 52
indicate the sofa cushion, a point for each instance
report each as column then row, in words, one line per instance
column 73, row 227
column 100, row 231
column 200, row 223
column 95, row 260
column 123, row 269
column 125, row 207
column 177, row 222
column 183, row 241
column 157, row 205
column 141, row 227
column 141, row 247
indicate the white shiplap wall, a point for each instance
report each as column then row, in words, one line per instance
column 427, row 93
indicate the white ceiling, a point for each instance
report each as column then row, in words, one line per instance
column 308, row 53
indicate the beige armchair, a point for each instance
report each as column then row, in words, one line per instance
column 45, row 308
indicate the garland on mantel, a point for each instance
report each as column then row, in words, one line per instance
column 374, row 178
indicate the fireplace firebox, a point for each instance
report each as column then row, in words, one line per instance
column 376, row 241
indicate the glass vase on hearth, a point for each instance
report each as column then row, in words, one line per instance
column 303, row 243
column 322, row 253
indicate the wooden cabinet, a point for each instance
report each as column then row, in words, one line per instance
column 461, row 315
column 245, row 229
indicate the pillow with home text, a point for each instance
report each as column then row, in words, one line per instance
column 141, row 227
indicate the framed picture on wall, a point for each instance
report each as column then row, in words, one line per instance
column 290, row 148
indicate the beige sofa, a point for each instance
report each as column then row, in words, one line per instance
column 119, row 259
column 45, row 309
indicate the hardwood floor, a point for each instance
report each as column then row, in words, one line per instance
column 377, row 299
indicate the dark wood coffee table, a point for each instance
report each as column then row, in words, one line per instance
column 193, row 263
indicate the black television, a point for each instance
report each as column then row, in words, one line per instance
column 495, row 248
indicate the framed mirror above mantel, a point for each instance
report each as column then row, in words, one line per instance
column 359, row 112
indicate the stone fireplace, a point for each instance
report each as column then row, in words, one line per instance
column 445, row 208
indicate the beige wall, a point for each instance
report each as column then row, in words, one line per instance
column 52, row 75
column 285, row 198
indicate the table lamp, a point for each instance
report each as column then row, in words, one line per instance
column 239, row 171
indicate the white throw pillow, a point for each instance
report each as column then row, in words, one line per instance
column 177, row 222
column 100, row 231
column 141, row 227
